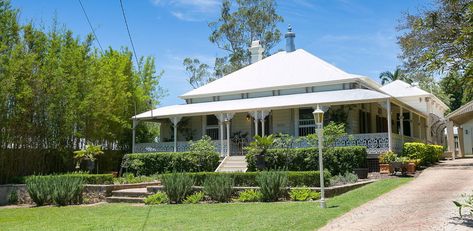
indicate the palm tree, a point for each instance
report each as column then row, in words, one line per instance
column 387, row 76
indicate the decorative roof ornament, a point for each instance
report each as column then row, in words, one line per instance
column 290, row 45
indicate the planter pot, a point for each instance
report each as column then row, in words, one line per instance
column 90, row 166
column 362, row 173
column 260, row 162
column 411, row 168
column 385, row 168
column 399, row 166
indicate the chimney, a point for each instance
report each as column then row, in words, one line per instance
column 256, row 51
column 290, row 46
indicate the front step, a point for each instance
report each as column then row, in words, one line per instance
column 131, row 195
column 233, row 164
column 114, row 199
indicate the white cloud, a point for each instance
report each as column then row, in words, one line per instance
column 190, row 10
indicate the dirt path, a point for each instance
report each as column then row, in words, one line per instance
column 423, row 204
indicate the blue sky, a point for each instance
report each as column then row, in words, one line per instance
column 358, row 36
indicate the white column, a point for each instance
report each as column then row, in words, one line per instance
column 135, row 123
column 255, row 116
column 401, row 123
column 419, row 126
column 390, row 129
column 262, row 125
column 221, row 120
column 228, row 137
column 175, row 120
column 411, row 127
column 450, row 139
column 428, row 122
column 460, row 142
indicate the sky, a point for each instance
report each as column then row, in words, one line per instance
column 357, row 36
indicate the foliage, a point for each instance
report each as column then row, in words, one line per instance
column 13, row 197
column 130, row 178
column 250, row 195
column 387, row 76
column 427, row 154
column 238, row 26
column 303, row 194
column 89, row 153
column 177, row 186
column 198, row 72
column 246, row 179
column 332, row 132
column 347, row 178
column 261, row 144
column 194, row 198
column 336, row 159
column 272, row 184
column 162, row 162
column 387, row 157
column 439, row 41
column 202, row 146
column 219, row 187
column 466, row 204
column 92, row 178
column 58, row 189
column 157, row 199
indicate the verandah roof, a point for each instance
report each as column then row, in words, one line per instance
column 266, row 103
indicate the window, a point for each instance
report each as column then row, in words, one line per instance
column 306, row 122
column 212, row 129
column 364, row 121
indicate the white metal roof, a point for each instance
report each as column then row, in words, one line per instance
column 281, row 70
column 400, row 89
column 261, row 103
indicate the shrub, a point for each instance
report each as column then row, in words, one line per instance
column 250, row 195
column 157, row 199
column 346, row 178
column 204, row 145
column 272, row 184
column 93, row 178
column 387, row 157
column 337, row 160
column 306, row 178
column 303, row 194
column 177, row 186
column 219, row 187
column 13, row 197
column 427, row 153
column 130, row 178
column 194, row 198
column 67, row 189
column 162, row 162
column 57, row 189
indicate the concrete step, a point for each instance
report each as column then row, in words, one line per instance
column 236, row 164
column 232, row 169
column 115, row 199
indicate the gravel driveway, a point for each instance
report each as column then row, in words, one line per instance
column 423, row 204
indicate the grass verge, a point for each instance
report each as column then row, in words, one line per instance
column 234, row 216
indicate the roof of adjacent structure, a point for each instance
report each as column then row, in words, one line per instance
column 399, row 89
column 262, row 103
column 462, row 114
column 281, row 70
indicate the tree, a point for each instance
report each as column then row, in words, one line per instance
column 440, row 41
column 199, row 73
column 234, row 31
column 387, row 76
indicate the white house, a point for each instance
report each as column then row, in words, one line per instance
column 462, row 118
column 277, row 94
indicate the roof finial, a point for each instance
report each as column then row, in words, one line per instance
column 290, row 46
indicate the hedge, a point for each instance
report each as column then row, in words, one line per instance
column 94, row 178
column 164, row 162
column 245, row 179
column 17, row 163
column 337, row 160
column 427, row 153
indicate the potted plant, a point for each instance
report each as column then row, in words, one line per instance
column 90, row 154
column 361, row 169
column 400, row 165
column 260, row 146
column 411, row 165
column 385, row 161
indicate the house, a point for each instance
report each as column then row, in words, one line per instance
column 278, row 94
column 460, row 122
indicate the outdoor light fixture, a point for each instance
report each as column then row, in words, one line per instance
column 247, row 117
column 319, row 123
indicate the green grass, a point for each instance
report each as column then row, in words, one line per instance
column 234, row 216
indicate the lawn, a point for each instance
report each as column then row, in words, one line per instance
column 235, row 216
